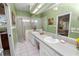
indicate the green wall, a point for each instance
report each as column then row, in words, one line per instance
column 22, row 13
column 13, row 9
column 15, row 36
column 63, row 8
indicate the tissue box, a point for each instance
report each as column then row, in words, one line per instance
column 77, row 41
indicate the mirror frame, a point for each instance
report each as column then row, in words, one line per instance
column 69, row 22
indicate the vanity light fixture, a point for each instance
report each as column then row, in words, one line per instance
column 55, row 8
column 38, row 7
column 35, row 11
column 25, row 20
column 36, row 21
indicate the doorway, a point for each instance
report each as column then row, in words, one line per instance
column 3, row 31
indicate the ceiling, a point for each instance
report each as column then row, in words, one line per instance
column 22, row 6
column 30, row 7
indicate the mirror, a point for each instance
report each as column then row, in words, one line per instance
column 2, row 19
column 63, row 24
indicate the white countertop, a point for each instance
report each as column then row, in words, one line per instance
column 65, row 49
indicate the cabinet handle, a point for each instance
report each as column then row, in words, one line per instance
column 9, row 35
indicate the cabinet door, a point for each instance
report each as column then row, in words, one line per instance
column 5, row 43
column 42, row 51
column 47, row 51
column 33, row 41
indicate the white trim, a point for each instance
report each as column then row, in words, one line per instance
column 75, row 31
column 57, row 26
column 9, row 29
column 69, row 21
column 0, row 42
column 70, row 24
column 13, row 27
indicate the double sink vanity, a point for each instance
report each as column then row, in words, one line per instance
column 51, row 45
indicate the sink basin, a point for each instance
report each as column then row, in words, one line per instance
column 51, row 40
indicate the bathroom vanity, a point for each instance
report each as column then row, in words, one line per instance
column 52, row 48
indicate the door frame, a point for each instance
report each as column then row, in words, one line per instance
column 9, row 28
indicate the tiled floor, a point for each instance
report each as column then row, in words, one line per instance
column 6, row 52
column 25, row 48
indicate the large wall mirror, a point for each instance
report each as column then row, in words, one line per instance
column 63, row 24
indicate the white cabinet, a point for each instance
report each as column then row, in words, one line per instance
column 34, row 41
column 44, row 49
column 47, row 51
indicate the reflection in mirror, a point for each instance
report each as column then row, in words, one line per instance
column 63, row 24
column 4, row 43
column 3, row 27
